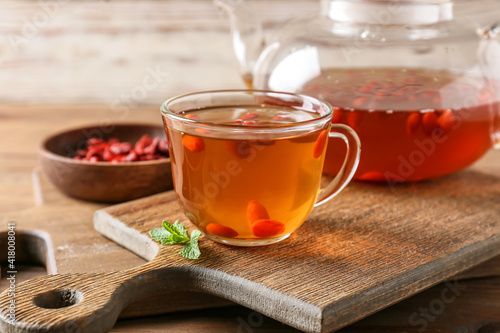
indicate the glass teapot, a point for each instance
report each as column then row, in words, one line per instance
column 419, row 85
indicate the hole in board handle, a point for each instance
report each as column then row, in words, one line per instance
column 57, row 299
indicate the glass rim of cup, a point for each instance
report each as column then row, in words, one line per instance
column 266, row 128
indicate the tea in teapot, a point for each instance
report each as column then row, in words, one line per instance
column 416, row 80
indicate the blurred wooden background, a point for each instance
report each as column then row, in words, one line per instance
column 101, row 51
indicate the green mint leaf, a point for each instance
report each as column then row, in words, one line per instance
column 181, row 228
column 191, row 249
column 161, row 235
column 177, row 236
column 176, row 233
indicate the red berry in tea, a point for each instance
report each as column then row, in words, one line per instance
column 267, row 228
column 221, row 230
column 256, row 211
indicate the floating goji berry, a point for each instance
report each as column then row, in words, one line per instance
column 447, row 120
column 485, row 95
column 365, row 89
column 267, row 228
column 193, row 143
column 389, row 86
column 373, row 176
column 256, row 211
column 202, row 130
column 221, row 230
column 319, row 145
column 248, row 116
column 360, row 101
column 354, row 118
column 259, row 142
column 282, row 117
column 239, row 148
column 381, row 95
column 429, row 122
column 413, row 122
column 337, row 115
column 192, row 116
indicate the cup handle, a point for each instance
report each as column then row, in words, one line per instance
column 349, row 166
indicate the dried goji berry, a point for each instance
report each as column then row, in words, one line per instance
column 107, row 155
column 152, row 148
column 113, row 140
column 267, row 228
column 319, row 145
column 193, row 143
column 115, row 148
column 163, row 147
column 256, row 211
column 115, row 151
column 81, row 152
column 132, row 156
column 221, row 230
column 94, row 141
column 126, row 147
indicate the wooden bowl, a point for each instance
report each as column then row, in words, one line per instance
column 103, row 181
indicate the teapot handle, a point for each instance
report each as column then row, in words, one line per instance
column 489, row 62
column 490, row 32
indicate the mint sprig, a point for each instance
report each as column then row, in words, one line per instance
column 176, row 233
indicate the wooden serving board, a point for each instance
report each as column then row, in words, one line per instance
column 369, row 248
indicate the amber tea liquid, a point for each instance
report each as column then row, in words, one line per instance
column 252, row 187
column 413, row 124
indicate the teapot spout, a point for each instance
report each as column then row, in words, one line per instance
column 247, row 35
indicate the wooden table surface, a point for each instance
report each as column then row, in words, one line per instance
column 77, row 63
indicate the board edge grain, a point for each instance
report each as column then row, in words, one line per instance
column 118, row 232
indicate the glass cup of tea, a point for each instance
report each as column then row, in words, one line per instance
column 247, row 164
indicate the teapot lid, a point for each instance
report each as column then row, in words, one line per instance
column 407, row 12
